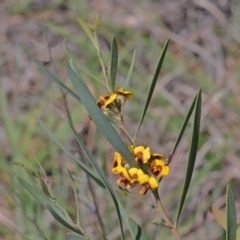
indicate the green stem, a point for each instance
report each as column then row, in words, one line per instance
column 165, row 217
column 122, row 127
column 102, row 64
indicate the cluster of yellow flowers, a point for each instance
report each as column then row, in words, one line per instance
column 151, row 168
column 111, row 104
column 151, row 165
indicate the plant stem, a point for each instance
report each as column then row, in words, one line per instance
column 102, row 64
column 165, row 217
column 122, row 127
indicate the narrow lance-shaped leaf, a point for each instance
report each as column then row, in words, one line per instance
column 51, row 76
column 45, row 189
column 88, row 31
column 130, row 71
column 62, row 220
column 192, row 154
column 151, row 89
column 74, row 67
column 220, row 216
column 57, row 213
column 103, row 177
column 114, row 62
column 231, row 215
column 77, row 62
column 137, row 230
column 99, row 118
column 89, row 171
column 186, row 120
column 75, row 195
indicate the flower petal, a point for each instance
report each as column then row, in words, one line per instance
column 126, row 94
column 110, row 100
column 117, row 163
column 157, row 163
column 156, row 156
column 132, row 171
column 143, row 179
column 164, row 172
column 141, row 155
column 125, row 174
column 153, row 183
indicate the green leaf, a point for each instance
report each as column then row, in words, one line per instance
column 130, row 71
column 88, row 31
column 99, row 118
column 137, row 230
column 105, row 181
column 51, row 76
column 57, row 213
column 77, row 62
column 62, row 220
column 219, row 216
column 19, row 164
column 73, row 236
column 74, row 67
column 186, row 120
column 114, row 62
column 151, row 89
column 192, row 153
column 231, row 215
column 83, row 165
column 36, row 194
column 45, row 189
column 75, row 195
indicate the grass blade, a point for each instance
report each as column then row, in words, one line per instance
column 151, row 89
column 76, row 61
column 102, row 176
column 192, row 153
column 75, row 195
column 130, row 71
column 186, row 120
column 51, row 76
column 231, row 215
column 99, row 118
column 114, row 62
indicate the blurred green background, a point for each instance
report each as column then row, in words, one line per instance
column 203, row 53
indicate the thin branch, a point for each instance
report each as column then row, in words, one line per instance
column 165, row 217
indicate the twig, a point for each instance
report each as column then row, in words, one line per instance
column 163, row 214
